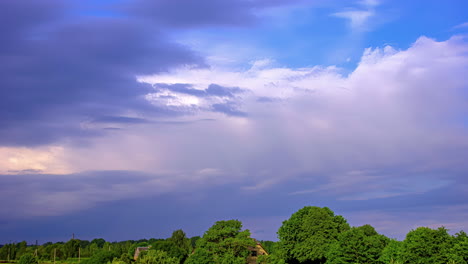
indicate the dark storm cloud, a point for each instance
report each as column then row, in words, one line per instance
column 55, row 73
column 37, row 182
column 212, row 90
column 188, row 13
column 64, row 62
column 120, row 119
column 203, row 208
column 218, row 90
column 229, row 108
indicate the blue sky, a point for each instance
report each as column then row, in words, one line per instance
column 130, row 119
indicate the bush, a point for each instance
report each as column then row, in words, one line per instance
column 101, row 258
column 28, row 259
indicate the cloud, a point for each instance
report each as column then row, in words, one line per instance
column 359, row 17
column 65, row 63
column 189, row 14
column 32, row 160
column 394, row 129
column 75, row 70
column 391, row 111
column 462, row 25
column 40, row 194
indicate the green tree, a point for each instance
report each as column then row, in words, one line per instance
column 224, row 242
column 21, row 249
column 193, row 241
column 308, row 234
column 8, row 252
column 201, row 256
column 392, row 252
column 171, row 249
column 426, row 246
column 180, row 240
column 458, row 253
column 28, row 259
column 99, row 242
column 358, row 245
column 269, row 246
column 101, row 257
column 71, row 248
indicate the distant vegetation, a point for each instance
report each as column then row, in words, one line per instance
column 312, row 235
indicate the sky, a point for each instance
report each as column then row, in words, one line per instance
column 129, row 119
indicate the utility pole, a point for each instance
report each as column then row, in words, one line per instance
column 79, row 254
column 55, row 254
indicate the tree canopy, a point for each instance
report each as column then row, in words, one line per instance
column 358, row 245
column 224, row 242
column 308, row 234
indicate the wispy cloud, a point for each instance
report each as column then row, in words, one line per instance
column 462, row 25
column 359, row 17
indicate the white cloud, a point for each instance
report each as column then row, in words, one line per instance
column 49, row 159
column 462, row 25
column 359, row 17
column 317, row 118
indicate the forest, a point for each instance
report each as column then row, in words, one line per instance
column 312, row 235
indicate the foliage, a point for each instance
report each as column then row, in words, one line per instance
column 458, row 253
column 193, row 241
column 101, row 257
column 269, row 246
column 171, row 249
column 392, row 252
column 117, row 261
column 71, row 248
column 98, row 242
column 224, row 242
column 157, row 257
column 180, row 240
column 125, row 258
column 308, row 234
column 28, row 259
column 357, row 245
column 201, row 256
column 424, row 245
column 270, row 259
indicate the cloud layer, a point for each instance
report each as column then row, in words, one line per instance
column 101, row 108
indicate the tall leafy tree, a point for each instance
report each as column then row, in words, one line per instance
column 71, row 248
column 426, row 246
column 224, row 242
column 180, row 240
column 358, row 245
column 306, row 236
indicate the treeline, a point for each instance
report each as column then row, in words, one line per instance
column 311, row 235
